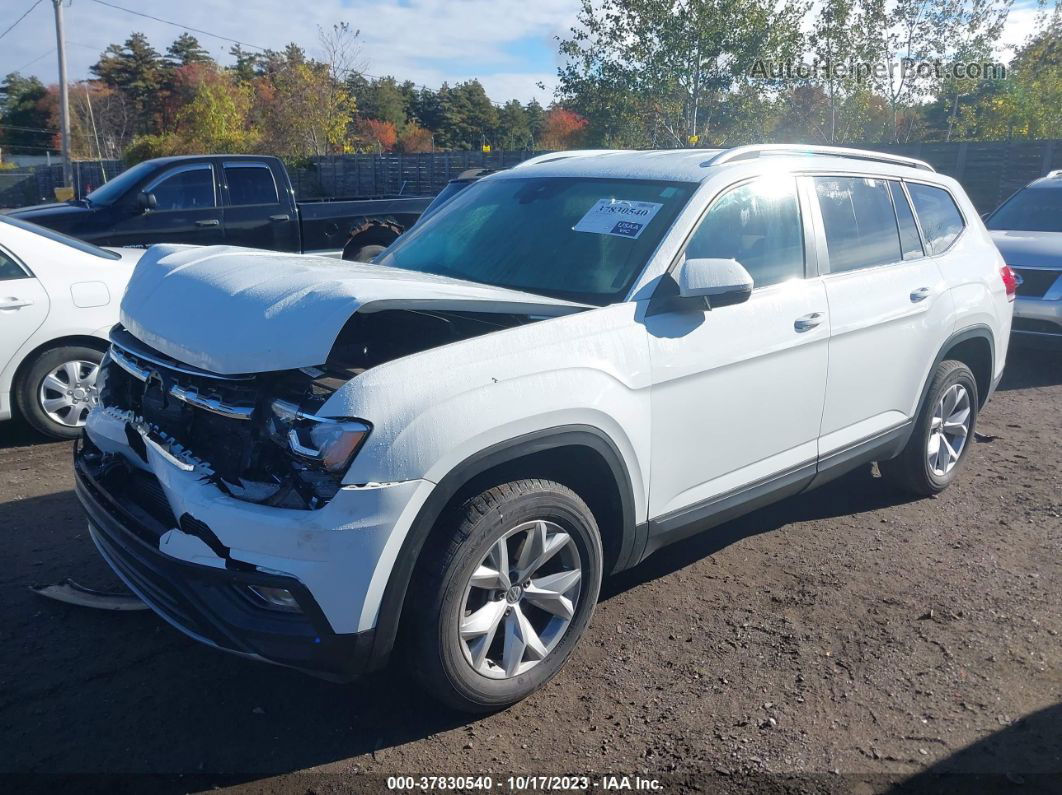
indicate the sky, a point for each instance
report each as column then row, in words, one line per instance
column 509, row 45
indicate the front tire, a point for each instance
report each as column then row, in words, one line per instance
column 942, row 434
column 503, row 593
column 55, row 392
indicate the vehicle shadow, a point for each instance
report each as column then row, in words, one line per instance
column 1029, row 367
column 853, row 493
column 1025, row 756
column 113, row 694
column 17, row 433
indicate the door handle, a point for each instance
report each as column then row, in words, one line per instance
column 921, row 294
column 281, row 217
column 209, row 222
column 13, row 303
column 808, row 321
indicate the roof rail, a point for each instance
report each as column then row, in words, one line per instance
column 564, row 154
column 1053, row 174
column 758, row 150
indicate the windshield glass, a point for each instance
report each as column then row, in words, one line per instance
column 1030, row 210
column 58, row 237
column 110, row 192
column 580, row 239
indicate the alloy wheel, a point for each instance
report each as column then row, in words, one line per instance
column 68, row 392
column 520, row 599
column 949, row 429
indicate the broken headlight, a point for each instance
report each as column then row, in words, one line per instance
column 330, row 442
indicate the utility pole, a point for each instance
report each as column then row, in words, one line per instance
column 64, row 95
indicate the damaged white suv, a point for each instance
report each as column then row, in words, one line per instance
column 569, row 365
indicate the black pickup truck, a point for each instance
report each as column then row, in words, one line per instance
column 240, row 200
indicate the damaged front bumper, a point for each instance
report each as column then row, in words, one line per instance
column 202, row 559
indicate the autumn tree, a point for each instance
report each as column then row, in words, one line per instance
column 380, row 134
column 562, row 129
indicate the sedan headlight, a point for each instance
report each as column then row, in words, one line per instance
column 330, row 442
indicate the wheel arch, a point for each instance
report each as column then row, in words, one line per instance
column 31, row 356
column 583, row 458
column 974, row 347
column 371, row 232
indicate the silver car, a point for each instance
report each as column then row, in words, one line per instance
column 1027, row 229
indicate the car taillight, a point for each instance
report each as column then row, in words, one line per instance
column 1010, row 281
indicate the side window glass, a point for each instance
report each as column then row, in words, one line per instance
column 859, row 221
column 759, row 225
column 190, row 189
column 9, row 269
column 250, row 183
column 940, row 218
column 909, row 240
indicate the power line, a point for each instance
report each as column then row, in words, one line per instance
column 13, row 24
column 26, row 129
column 30, row 63
column 177, row 25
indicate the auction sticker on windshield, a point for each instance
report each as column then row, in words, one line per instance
column 618, row 217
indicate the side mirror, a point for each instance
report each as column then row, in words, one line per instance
column 146, row 201
column 722, row 281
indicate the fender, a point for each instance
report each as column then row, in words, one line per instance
column 976, row 331
column 576, row 435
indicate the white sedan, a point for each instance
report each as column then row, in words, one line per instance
column 59, row 297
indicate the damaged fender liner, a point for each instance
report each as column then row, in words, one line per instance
column 211, row 604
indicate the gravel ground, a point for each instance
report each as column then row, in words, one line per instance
column 842, row 640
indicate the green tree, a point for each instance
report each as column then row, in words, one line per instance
column 536, row 120
column 137, row 70
column 384, row 100
column 514, row 128
column 24, row 115
column 186, row 50
column 660, row 71
column 469, row 119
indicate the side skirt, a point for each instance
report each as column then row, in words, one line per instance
column 685, row 522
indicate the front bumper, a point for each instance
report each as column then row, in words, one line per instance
column 213, row 605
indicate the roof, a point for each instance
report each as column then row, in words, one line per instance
column 1050, row 181
column 697, row 165
column 165, row 161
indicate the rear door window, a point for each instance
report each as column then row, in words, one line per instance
column 250, row 183
column 940, row 218
column 9, row 269
column 859, row 221
column 910, row 242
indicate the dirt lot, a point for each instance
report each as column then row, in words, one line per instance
column 848, row 633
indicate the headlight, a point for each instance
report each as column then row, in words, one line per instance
column 330, row 442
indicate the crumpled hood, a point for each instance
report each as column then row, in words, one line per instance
column 1029, row 249
column 233, row 310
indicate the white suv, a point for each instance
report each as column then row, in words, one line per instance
column 569, row 365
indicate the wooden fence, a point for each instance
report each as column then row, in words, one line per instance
column 990, row 171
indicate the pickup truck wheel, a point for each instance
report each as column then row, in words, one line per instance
column 365, row 253
column 55, row 393
column 501, row 598
column 942, row 434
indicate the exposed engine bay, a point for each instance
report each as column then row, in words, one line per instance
column 257, row 437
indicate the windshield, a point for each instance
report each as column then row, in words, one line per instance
column 580, row 239
column 110, row 192
column 58, row 237
column 1030, row 210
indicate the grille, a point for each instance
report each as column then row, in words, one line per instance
column 1035, row 282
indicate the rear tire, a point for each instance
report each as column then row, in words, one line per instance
column 54, row 393
column 942, row 434
column 487, row 627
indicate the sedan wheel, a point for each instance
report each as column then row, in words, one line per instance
column 67, row 393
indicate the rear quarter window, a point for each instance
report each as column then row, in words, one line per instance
column 937, row 212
